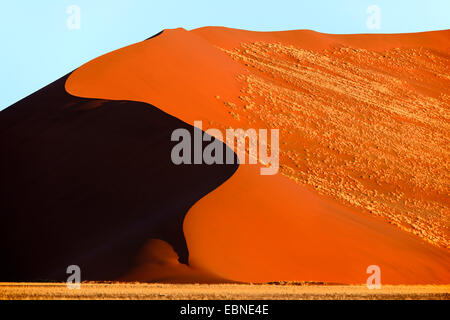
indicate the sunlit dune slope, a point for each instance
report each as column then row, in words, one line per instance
column 364, row 150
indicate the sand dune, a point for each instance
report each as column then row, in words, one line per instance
column 90, row 182
column 364, row 175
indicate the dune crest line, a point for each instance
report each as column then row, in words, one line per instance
column 255, row 228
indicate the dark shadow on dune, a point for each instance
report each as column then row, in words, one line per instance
column 155, row 35
column 88, row 182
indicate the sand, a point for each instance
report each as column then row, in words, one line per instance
column 90, row 182
column 363, row 147
column 363, row 120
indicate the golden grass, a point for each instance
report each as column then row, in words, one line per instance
column 100, row 291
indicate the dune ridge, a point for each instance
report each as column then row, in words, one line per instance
column 248, row 229
column 90, row 182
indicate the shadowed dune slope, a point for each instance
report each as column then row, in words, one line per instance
column 257, row 228
column 90, row 182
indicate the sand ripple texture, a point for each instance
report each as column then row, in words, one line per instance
column 367, row 128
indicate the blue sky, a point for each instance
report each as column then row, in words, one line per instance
column 38, row 47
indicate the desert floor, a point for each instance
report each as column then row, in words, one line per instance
column 59, row 291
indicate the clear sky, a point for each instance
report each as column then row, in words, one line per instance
column 38, row 46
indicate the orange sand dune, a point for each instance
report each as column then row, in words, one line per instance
column 90, row 182
column 158, row 262
column 269, row 228
column 264, row 228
